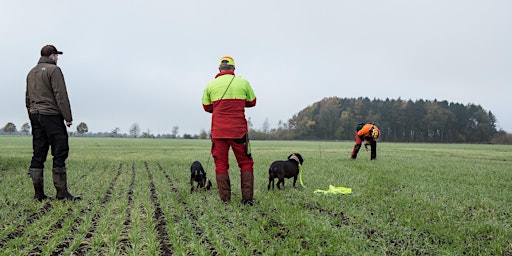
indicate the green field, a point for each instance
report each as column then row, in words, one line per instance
column 415, row 199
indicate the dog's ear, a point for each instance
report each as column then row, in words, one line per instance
column 301, row 160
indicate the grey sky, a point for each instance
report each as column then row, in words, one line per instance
column 148, row 62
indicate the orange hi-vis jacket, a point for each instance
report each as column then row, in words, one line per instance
column 366, row 131
column 226, row 97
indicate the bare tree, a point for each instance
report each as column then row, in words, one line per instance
column 249, row 123
column 266, row 126
column 135, row 130
column 25, row 128
column 115, row 132
column 175, row 131
column 147, row 134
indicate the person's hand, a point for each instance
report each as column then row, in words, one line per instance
column 69, row 123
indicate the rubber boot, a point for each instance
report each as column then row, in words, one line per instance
column 224, row 186
column 60, row 183
column 247, row 186
column 38, row 181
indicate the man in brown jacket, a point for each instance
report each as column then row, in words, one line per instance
column 48, row 108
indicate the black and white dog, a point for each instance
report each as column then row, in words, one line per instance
column 284, row 169
column 197, row 174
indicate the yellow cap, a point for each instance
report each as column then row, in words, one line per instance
column 227, row 60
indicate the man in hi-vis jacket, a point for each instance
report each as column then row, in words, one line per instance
column 226, row 97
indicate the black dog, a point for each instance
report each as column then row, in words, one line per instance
column 284, row 169
column 197, row 174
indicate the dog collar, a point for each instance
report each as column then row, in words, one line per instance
column 294, row 157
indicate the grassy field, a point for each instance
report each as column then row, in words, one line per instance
column 415, row 199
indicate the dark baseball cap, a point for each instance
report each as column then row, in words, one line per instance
column 48, row 50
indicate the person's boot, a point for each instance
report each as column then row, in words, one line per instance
column 38, row 181
column 60, row 183
column 224, row 186
column 247, row 186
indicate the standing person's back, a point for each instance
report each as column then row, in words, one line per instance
column 226, row 97
column 46, row 90
column 48, row 108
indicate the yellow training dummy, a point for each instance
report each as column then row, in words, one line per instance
column 335, row 190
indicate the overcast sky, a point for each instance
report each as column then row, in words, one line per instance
column 148, row 62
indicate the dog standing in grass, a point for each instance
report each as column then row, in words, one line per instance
column 284, row 169
column 197, row 174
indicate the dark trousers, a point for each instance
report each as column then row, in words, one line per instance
column 357, row 146
column 49, row 131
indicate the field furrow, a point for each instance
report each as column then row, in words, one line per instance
column 125, row 242
column 191, row 216
column 88, row 220
column 159, row 217
column 19, row 230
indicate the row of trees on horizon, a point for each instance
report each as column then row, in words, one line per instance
column 82, row 129
column 336, row 118
column 399, row 120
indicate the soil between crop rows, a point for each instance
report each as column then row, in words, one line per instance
column 275, row 229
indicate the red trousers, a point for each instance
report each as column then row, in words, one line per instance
column 241, row 149
column 357, row 146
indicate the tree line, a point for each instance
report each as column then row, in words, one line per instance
column 336, row 118
column 82, row 129
column 10, row 128
column 399, row 120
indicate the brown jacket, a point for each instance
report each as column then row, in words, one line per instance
column 46, row 90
